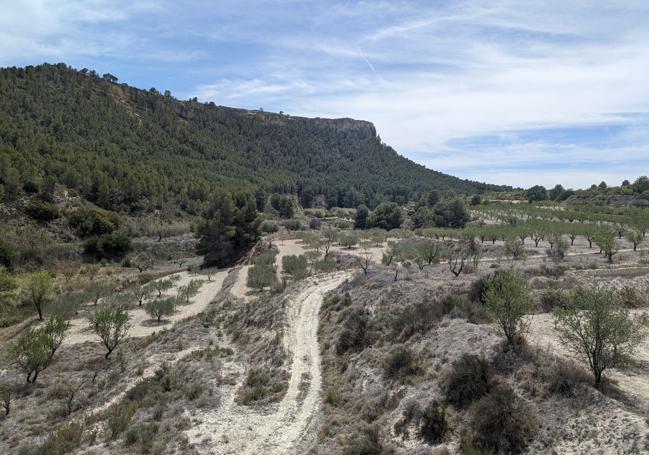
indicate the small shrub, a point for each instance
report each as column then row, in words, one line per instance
column 119, row 418
column 259, row 386
column 91, row 222
column 292, row 225
column 631, row 298
column 269, row 227
column 433, row 423
column 193, row 390
column 365, row 442
column 266, row 258
column 515, row 248
column 315, row 223
column 261, row 276
column 553, row 298
column 416, row 318
column 296, row 266
column 356, row 333
column 336, row 302
column 400, row 363
column 108, row 246
column 564, row 377
column 501, row 423
column 470, row 378
column 462, row 307
column 42, row 211
column 64, row 440
column 325, row 265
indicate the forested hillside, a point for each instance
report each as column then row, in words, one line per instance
column 133, row 150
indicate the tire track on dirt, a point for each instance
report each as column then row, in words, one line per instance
column 234, row 429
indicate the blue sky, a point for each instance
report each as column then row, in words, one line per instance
column 533, row 92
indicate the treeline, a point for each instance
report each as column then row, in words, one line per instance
column 625, row 216
column 131, row 150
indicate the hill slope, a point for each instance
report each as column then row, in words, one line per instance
column 130, row 149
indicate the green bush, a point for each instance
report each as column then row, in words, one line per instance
column 292, row 225
column 93, row 222
column 470, row 378
column 259, row 385
column 157, row 308
column 261, row 276
column 7, row 254
column 325, row 265
column 108, row 246
column 387, row 215
column 296, row 266
column 42, row 211
column 501, row 423
column 269, row 227
column 266, row 258
column 315, row 224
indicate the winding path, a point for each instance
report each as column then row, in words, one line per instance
column 234, row 429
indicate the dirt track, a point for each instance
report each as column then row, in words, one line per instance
column 278, row 429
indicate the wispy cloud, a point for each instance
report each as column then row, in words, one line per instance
column 436, row 78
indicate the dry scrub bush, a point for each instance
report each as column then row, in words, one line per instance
column 433, row 423
column 356, row 333
column 260, row 386
column 365, row 442
column 416, row 318
column 400, row 363
column 64, row 440
column 470, row 378
column 336, row 302
column 119, row 417
column 501, row 422
column 553, row 298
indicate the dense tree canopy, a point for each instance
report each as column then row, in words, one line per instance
column 229, row 228
column 387, row 215
column 130, row 150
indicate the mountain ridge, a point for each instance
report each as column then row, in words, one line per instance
column 132, row 149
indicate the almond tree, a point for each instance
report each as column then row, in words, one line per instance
column 636, row 238
column 605, row 239
column 507, row 299
column 157, row 308
column 110, row 324
column 598, row 329
column 39, row 291
column 31, row 353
